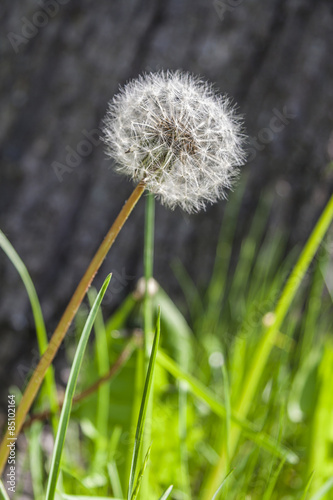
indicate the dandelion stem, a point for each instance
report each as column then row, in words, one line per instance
column 60, row 332
column 148, row 323
column 148, row 271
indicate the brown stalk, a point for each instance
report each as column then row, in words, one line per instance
column 60, row 332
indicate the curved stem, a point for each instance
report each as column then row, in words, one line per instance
column 60, row 332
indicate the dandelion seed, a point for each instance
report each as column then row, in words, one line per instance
column 170, row 130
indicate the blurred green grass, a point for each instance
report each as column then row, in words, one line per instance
column 219, row 406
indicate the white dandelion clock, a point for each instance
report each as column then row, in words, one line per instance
column 171, row 131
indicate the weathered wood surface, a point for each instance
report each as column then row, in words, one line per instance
column 274, row 58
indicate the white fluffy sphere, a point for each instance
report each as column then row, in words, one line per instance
column 172, row 131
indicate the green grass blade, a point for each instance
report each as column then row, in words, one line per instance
column 137, row 388
column 70, row 389
column 119, row 317
column 189, row 289
column 31, row 291
column 41, row 334
column 143, row 409
column 166, row 494
column 217, row 492
column 178, row 336
column 103, row 363
column 307, row 487
column 182, row 431
column 323, row 490
column 217, row 286
column 115, row 479
column 227, row 402
column 140, row 476
column 320, row 432
column 36, row 460
column 265, row 345
column 248, row 429
column 271, row 485
column 3, row 492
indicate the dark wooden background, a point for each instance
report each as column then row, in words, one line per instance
column 56, row 79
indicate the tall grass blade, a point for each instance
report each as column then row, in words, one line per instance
column 3, row 492
column 286, row 298
column 119, row 317
column 182, row 431
column 115, row 479
column 36, row 460
column 41, row 334
column 217, row 492
column 140, row 476
column 307, row 487
column 70, row 389
column 143, row 410
column 189, row 289
column 227, row 402
column 323, row 490
column 103, row 393
column 320, row 433
column 271, row 485
column 178, row 338
column 166, row 494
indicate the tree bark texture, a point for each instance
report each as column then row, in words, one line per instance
column 63, row 60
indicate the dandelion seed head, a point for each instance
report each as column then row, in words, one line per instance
column 172, row 131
